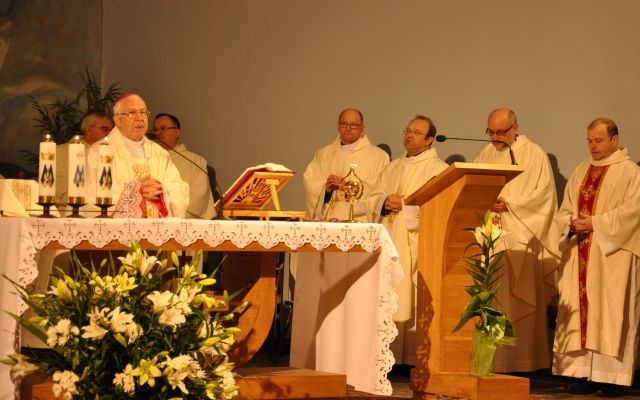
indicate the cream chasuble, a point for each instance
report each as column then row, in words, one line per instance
column 598, row 338
column 405, row 175
column 200, row 196
column 127, row 168
column 532, row 253
column 335, row 159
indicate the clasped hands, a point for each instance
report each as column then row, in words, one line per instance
column 582, row 225
column 151, row 188
column 393, row 202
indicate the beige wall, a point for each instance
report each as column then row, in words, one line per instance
column 258, row 81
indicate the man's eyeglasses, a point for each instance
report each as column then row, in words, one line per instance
column 136, row 114
column 499, row 132
column 164, row 129
column 350, row 125
column 415, row 132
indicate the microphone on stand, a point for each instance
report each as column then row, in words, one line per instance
column 442, row 138
column 155, row 138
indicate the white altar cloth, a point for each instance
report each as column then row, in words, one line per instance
column 21, row 238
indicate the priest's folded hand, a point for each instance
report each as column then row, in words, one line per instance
column 333, row 182
column 393, row 202
column 151, row 188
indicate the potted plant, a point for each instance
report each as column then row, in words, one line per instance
column 492, row 327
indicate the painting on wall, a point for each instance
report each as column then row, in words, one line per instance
column 45, row 48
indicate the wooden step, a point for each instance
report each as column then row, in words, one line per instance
column 254, row 383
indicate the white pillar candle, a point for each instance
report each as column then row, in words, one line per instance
column 47, row 170
column 105, row 166
column 76, row 171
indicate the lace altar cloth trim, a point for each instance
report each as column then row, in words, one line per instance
column 100, row 232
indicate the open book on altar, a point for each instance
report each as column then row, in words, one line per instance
column 255, row 188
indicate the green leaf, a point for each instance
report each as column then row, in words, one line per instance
column 30, row 327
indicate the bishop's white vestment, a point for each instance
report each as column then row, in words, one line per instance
column 532, row 253
column 405, row 175
column 155, row 163
column 599, row 308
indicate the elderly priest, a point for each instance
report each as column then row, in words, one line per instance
column 145, row 182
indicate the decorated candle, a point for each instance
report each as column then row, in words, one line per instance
column 75, row 180
column 47, row 169
column 105, row 166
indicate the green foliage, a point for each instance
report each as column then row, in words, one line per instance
column 62, row 118
column 143, row 330
column 484, row 268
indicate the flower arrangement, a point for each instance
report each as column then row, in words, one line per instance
column 484, row 268
column 145, row 331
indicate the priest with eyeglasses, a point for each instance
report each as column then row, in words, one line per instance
column 525, row 208
column 145, row 182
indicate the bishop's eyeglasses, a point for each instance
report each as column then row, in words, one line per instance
column 136, row 114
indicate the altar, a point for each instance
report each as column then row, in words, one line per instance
column 23, row 240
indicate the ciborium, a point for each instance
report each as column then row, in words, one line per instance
column 352, row 188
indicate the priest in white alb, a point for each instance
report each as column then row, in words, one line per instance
column 599, row 308
column 401, row 178
column 332, row 162
column 192, row 166
column 145, row 182
column 339, row 296
column 525, row 208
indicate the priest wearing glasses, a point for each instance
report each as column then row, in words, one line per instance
column 145, row 182
column 332, row 162
column 526, row 208
column 401, row 178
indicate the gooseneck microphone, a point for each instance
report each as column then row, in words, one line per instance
column 442, row 138
column 155, row 138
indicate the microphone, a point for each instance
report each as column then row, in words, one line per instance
column 442, row 138
column 155, row 138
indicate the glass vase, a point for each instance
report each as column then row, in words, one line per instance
column 482, row 351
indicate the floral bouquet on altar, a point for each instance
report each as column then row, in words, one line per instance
column 144, row 331
column 492, row 327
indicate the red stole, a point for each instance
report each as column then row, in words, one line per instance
column 587, row 202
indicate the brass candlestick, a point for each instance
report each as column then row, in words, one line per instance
column 46, row 202
column 76, row 203
column 104, row 203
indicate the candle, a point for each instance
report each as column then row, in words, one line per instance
column 75, row 177
column 47, row 170
column 105, row 165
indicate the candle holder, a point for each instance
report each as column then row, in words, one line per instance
column 104, row 203
column 76, row 203
column 46, row 202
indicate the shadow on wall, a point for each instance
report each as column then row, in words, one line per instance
column 386, row 148
column 560, row 180
column 455, row 158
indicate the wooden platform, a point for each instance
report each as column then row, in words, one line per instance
column 290, row 383
column 463, row 385
column 255, row 383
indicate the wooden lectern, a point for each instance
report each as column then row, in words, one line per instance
column 449, row 203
